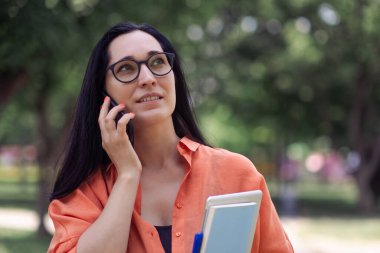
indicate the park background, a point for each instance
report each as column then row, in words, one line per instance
column 293, row 85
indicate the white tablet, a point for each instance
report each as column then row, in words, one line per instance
column 234, row 198
column 215, row 235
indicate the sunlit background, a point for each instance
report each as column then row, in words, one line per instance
column 293, row 85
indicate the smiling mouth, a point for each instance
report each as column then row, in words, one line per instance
column 148, row 99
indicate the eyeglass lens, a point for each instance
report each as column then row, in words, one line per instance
column 128, row 70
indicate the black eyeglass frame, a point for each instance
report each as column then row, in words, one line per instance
column 169, row 56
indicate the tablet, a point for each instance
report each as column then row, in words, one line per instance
column 234, row 198
column 231, row 208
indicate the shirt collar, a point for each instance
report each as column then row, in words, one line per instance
column 185, row 142
column 186, row 147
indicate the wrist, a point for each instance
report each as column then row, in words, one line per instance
column 129, row 176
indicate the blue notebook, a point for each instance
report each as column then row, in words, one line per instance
column 229, row 223
column 228, row 228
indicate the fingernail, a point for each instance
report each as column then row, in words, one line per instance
column 132, row 115
column 122, row 105
column 105, row 99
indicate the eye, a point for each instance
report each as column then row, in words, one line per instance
column 159, row 60
column 125, row 67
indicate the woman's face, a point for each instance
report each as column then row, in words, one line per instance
column 150, row 97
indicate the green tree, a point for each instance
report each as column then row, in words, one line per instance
column 296, row 70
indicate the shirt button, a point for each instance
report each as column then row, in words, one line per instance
column 178, row 234
column 179, row 205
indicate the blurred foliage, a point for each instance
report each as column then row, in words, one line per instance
column 267, row 69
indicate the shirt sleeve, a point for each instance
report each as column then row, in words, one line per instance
column 270, row 235
column 73, row 214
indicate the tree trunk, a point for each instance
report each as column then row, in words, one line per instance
column 10, row 84
column 366, row 197
column 48, row 148
column 367, row 146
column 369, row 164
column 43, row 199
column 44, row 150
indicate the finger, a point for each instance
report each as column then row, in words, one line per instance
column 102, row 114
column 122, row 123
column 114, row 111
column 112, row 117
column 104, row 107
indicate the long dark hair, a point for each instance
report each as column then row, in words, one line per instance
column 84, row 154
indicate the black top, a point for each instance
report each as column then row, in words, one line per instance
column 165, row 233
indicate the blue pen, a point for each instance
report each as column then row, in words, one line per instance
column 197, row 243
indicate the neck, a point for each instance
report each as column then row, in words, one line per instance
column 156, row 145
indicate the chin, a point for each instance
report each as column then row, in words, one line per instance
column 152, row 117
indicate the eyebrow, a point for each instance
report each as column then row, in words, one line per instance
column 129, row 57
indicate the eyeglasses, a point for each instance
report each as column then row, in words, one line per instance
column 127, row 70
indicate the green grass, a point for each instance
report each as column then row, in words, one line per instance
column 325, row 199
column 319, row 199
column 18, row 189
column 15, row 195
column 15, row 241
column 15, row 174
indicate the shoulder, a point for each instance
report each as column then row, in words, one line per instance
column 74, row 213
column 226, row 156
column 226, row 170
column 92, row 192
column 224, row 160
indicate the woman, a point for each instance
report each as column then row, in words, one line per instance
column 112, row 196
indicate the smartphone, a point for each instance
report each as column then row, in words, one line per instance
column 130, row 130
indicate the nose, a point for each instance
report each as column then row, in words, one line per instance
column 146, row 77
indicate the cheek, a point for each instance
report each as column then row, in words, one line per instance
column 173, row 101
column 173, row 93
column 121, row 94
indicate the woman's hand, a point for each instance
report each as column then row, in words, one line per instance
column 112, row 226
column 115, row 140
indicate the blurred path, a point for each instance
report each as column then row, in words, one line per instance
column 22, row 219
column 303, row 241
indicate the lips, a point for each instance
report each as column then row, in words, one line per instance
column 149, row 98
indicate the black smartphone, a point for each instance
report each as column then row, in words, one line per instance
column 130, row 130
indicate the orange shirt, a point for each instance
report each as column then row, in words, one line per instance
column 209, row 171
